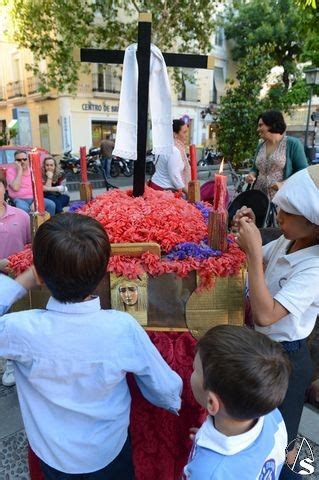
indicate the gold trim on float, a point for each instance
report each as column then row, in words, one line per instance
column 76, row 54
column 210, row 62
column 145, row 17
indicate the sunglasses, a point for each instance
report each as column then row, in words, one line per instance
column 21, row 159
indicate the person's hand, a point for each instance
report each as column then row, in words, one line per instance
column 250, row 178
column 276, row 186
column 243, row 212
column 193, row 431
column 29, row 279
column 248, row 237
column 4, row 265
column 18, row 166
column 49, row 174
column 62, row 189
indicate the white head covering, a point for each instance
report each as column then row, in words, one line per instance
column 299, row 194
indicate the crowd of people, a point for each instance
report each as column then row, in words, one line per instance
column 71, row 359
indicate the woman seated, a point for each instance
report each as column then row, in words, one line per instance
column 173, row 171
column 54, row 187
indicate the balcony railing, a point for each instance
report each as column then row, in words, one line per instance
column 105, row 82
column 15, row 89
column 33, row 84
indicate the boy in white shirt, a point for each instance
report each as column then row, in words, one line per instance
column 71, row 358
column 240, row 377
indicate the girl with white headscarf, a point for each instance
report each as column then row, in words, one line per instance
column 284, row 285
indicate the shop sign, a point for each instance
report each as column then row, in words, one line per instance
column 96, row 107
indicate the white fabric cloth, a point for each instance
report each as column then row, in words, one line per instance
column 159, row 102
column 293, row 280
column 169, row 169
column 299, row 195
column 70, row 362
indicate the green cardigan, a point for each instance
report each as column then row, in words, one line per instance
column 295, row 157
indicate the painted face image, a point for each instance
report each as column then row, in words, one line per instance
column 49, row 165
column 197, row 381
column 128, row 294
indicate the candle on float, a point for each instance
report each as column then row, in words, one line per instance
column 218, row 217
column 193, row 162
column 83, row 165
column 217, row 229
column 220, row 188
column 37, row 185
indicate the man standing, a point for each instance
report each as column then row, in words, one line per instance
column 20, row 184
column 106, row 148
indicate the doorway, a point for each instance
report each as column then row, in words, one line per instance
column 102, row 130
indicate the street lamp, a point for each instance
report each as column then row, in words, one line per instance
column 312, row 79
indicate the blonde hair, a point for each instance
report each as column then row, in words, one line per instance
column 57, row 170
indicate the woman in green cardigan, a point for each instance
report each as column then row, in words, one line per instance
column 277, row 157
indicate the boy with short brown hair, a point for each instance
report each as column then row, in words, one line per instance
column 240, row 377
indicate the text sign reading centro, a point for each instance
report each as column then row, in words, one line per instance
column 95, row 107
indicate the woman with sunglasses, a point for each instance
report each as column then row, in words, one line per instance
column 20, row 185
column 54, row 184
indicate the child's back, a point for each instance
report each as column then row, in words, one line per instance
column 71, row 362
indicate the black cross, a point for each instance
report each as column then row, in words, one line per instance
column 143, row 60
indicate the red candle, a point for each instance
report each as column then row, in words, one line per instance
column 83, row 164
column 37, row 184
column 220, row 189
column 193, row 161
column 217, row 229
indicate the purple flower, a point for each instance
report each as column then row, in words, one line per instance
column 189, row 249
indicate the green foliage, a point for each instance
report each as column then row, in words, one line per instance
column 267, row 21
column 237, row 116
column 51, row 28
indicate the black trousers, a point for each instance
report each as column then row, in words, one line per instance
column 60, row 201
column 299, row 381
column 121, row 468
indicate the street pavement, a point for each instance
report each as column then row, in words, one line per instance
column 13, row 443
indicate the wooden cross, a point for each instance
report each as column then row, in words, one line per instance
column 143, row 60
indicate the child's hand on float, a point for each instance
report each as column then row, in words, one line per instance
column 29, row 279
column 248, row 237
column 193, row 431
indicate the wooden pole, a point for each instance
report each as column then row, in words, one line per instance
column 143, row 61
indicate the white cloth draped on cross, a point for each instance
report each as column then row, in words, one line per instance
column 159, row 101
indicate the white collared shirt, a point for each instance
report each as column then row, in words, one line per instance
column 70, row 365
column 258, row 453
column 293, row 280
column 169, row 168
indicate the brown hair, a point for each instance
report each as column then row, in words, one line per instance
column 71, row 253
column 57, row 170
column 246, row 369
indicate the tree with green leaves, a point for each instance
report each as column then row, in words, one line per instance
column 236, row 118
column 51, row 28
column 260, row 22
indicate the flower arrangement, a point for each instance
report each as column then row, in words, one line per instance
column 179, row 227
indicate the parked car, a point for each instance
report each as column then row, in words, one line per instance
column 7, row 154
